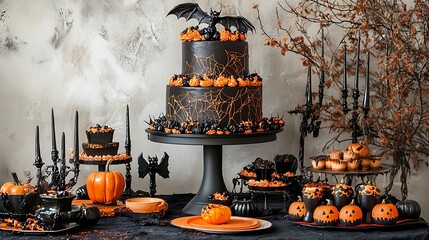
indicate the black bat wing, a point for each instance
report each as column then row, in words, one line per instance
column 190, row 11
column 143, row 166
column 163, row 167
column 242, row 24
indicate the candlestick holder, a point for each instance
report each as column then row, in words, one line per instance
column 58, row 174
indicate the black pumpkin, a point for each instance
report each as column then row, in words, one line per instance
column 408, row 209
column 244, row 208
column 82, row 192
column 89, row 216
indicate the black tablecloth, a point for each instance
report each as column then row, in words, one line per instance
column 134, row 226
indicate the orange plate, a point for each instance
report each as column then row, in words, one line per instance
column 105, row 210
column 236, row 227
column 234, row 223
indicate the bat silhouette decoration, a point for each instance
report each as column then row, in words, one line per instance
column 151, row 167
column 193, row 11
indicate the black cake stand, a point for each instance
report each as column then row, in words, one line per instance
column 212, row 154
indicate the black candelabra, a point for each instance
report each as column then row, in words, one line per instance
column 356, row 129
column 58, row 174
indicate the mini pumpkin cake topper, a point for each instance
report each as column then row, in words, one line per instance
column 193, row 11
column 153, row 168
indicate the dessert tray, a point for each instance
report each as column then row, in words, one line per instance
column 363, row 226
column 233, row 226
column 384, row 168
column 267, row 189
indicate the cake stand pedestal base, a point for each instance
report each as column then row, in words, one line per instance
column 212, row 179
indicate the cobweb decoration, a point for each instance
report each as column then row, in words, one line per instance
column 236, row 65
column 217, row 106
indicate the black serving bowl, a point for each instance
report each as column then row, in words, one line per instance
column 53, row 220
column 56, row 204
column 100, row 138
column 19, row 204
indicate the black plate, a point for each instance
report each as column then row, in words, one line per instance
column 364, row 226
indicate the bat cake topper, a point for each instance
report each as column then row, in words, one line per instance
column 193, row 11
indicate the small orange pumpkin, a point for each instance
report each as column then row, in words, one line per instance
column 5, row 188
column 326, row 215
column 297, row 210
column 216, row 213
column 360, row 149
column 351, row 215
column 385, row 213
column 17, row 188
column 105, row 187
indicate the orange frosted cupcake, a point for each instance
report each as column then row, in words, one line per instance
column 318, row 162
column 353, row 164
column 350, row 155
column 336, row 154
column 339, row 165
column 375, row 162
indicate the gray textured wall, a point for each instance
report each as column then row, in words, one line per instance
column 98, row 56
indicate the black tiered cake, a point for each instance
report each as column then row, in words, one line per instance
column 224, row 105
column 100, row 145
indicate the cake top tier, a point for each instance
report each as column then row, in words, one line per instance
column 210, row 33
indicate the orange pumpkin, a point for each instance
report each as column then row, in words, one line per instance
column 5, row 188
column 351, row 215
column 385, row 213
column 105, row 187
column 216, row 213
column 326, row 215
column 297, row 210
column 17, row 187
column 360, row 149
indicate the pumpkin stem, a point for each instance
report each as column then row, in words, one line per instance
column 299, row 199
column 352, row 202
column 108, row 165
column 328, row 202
column 16, row 179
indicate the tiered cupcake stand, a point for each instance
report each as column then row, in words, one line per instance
column 102, row 164
column 364, row 175
column 212, row 159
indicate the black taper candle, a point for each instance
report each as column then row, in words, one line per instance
column 54, row 140
column 308, row 89
column 357, row 64
column 54, row 155
column 366, row 100
column 38, row 161
column 345, row 69
column 63, row 149
column 322, row 72
column 76, row 139
column 127, row 133
column 62, row 177
column 345, row 91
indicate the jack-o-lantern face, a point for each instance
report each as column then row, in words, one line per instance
column 360, row 149
column 351, row 215
column 326, row 215
column 297, row 210
column 385, row 213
